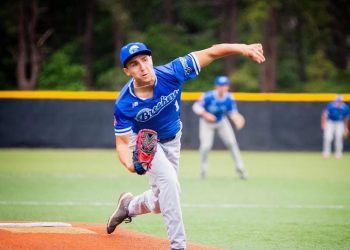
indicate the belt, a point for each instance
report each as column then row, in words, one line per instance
column 167, row 139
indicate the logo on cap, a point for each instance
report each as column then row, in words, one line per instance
column 222, row 80
column 133, row 49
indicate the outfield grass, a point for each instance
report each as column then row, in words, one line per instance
column 290, row 201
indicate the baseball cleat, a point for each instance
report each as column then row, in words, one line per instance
column 242, row 174
column 325, row 155
column 121, row 213
column 338, row 156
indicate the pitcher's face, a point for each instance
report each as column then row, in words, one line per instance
column 140, row 67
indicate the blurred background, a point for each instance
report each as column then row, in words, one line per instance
column 74, row 45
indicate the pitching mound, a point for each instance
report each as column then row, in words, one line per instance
column 57, row 235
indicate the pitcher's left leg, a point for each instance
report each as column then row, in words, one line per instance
column 169, row 198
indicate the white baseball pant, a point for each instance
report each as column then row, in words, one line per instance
column 206, row 137
column 164, row 195
column 333, row 130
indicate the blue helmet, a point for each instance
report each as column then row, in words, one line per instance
column 132, row 49
column 222, row 81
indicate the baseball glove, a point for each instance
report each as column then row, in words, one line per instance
column 238, row 120
column 146, row 148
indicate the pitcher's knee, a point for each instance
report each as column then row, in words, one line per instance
column 171, row 185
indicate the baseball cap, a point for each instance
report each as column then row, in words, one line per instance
column 222, row 81
column 132, row 49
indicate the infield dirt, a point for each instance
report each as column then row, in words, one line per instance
column 87, row 236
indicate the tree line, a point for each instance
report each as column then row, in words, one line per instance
column 74, row 45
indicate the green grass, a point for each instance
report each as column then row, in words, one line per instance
column 288, row 202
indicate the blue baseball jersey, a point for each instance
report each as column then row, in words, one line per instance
column 218, row 106
column 161, row 112
column 335, row 113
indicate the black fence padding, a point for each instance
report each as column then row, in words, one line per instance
column 56, row 123
column 277, row 126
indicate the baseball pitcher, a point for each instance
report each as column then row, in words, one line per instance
column 148, row 129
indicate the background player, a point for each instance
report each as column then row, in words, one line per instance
column 212, row 108
column 335, row 122
column 151, row 99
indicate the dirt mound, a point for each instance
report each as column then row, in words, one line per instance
column 87, row 236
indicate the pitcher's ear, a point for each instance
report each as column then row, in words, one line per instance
column 126, row 71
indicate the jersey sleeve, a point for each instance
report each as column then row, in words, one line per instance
column 186, row 67
column 201, row 100
column 122, row 125
column 198, row 106
column 327, row 109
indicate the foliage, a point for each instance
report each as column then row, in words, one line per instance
column 111, row 79
column 319, row 68
column 287, row 78
column 326, row 86
column 60, row 72
column 245, row 79
column 312, row 40
column 251, row 19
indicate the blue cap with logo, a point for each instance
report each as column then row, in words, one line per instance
column 132, row 49
column 222, row 81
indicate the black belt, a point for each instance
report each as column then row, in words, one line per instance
column 167, row 139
